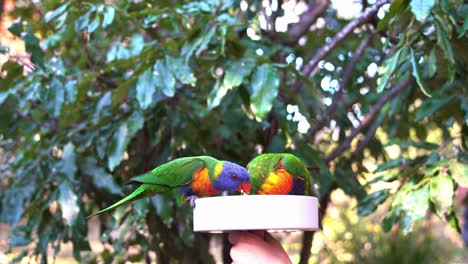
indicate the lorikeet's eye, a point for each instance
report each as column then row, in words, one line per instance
column 234, row 177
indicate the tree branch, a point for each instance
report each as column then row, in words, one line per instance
column 348, row 29
column 368, row 118
column 343, row 34
column 338, row 96
column 367, row 138
column 315, row 9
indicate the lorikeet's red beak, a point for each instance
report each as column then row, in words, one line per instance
column 244, row 188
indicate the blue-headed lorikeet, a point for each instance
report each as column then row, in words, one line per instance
column 279, row 173
column 188, row 177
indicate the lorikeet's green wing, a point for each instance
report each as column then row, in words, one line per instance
column 175, row 173
column 296, row 167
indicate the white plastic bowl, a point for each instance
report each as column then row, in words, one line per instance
column 255, row 212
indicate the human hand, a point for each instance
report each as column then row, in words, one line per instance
column 256, row 247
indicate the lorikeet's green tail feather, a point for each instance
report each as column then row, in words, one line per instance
column 139, row 193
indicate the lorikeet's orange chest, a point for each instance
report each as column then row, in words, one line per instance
column 277, row 182
column 201, row 184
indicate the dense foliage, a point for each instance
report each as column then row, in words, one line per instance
column 115, row 89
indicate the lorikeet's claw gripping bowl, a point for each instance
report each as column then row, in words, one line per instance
column 255, row 212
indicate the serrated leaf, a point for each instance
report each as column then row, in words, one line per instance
column 164, row 79
column 109, row 14
column 180, row 70
column 459, row 172
column 263, row 90
column 68, row 202
column 117, row 147
column 389, row 68
column 421, row 8
column 417, row 74
column 145, row 88
column 370, row 203
column 415, row 205
column 441, row 193
column 237, row 71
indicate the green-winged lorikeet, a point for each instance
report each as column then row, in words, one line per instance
column 279, row 173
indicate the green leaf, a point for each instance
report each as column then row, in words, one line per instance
column 70, row 91
column 135, row 123
column 417, row 74
column 100, row 177
column 395, row 8
column 164, row 79
column 146, row 88
column 389, row 68
column 33, row 47
column 444, row 43
column 430, row 106
column 441, row 191
column 94, row 24
column 68, row 163
column 369, row 204
column 82, row 22
column 180, row 70
column 391, row 164
column 431, row 66
column 103, row 103
column 68, row 202
column 109, row 14
column 237, row 71
column 459, row 172
column 216, row 95
column 263, row 89
column 117, row 147
column 57, row 12
column 421, row 8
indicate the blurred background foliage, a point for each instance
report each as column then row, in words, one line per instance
column 370, row 94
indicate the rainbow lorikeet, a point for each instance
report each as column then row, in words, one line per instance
column 278, row 173
column 188, row 178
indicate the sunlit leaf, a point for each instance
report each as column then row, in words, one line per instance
column 459, row 172
column 68, row 203
column 237, row 71
column 421, row 8
column 146, row 88
column 441, row 191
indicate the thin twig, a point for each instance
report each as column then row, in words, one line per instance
column 338, row 96
column 315, row 9
column 368, row 118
